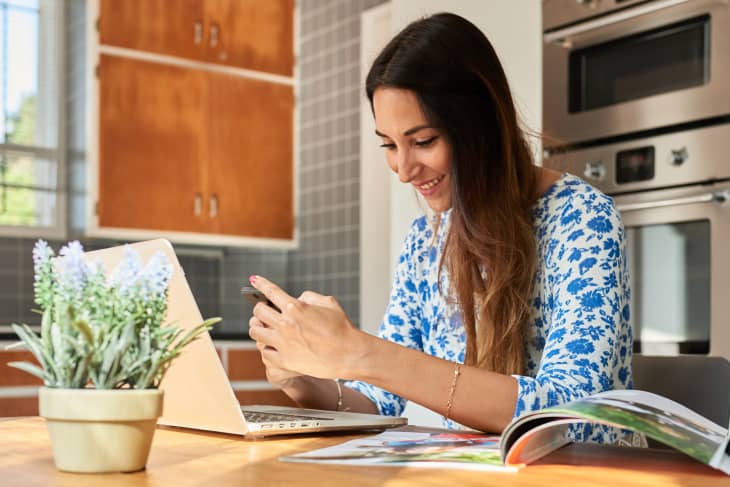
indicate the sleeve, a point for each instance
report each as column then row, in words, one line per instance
column 403, row 317
column 587, row 344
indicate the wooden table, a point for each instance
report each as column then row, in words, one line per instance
column 183, row 458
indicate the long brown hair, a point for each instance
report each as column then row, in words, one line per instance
column 490, row 252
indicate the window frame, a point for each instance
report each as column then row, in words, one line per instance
column 47, row 43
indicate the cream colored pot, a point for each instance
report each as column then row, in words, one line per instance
column 100, row 430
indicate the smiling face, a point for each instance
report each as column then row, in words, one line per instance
column 417, row 152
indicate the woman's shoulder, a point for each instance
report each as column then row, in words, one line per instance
column 569, row 187
column 575, row 215
column 571, row 202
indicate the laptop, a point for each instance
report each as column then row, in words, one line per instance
column 198, row 393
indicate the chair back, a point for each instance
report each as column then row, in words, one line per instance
column 698, row 382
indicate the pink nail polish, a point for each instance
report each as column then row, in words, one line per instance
column 252, row 279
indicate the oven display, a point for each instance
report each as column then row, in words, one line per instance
column 635, row 165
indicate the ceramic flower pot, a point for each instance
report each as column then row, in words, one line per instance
column 100, row 430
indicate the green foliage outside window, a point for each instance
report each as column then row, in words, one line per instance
column 18, row 205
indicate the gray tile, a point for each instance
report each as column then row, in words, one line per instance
column 9, row 257
column 10, row 286
column 9, row 308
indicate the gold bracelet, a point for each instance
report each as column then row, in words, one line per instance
column 450, row 402
column 339, row 394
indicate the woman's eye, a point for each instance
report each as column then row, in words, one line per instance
column 387, row 146
column 427, row 142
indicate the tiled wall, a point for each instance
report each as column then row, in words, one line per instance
column 329, row 201
column 329, row 120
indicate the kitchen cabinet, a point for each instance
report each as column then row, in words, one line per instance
column 250, row 152
column 252, row 34
column 247, row 34
column 191, row 121
column 150, row 120
column 190, row 150
column 172, row 27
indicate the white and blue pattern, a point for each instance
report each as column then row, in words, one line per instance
column 580, row 339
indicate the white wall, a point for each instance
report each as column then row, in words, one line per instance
column 375, row 268
column 514, row 27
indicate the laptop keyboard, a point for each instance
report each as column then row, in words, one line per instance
column 259, row 417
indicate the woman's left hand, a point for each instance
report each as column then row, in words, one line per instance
column 311, row 335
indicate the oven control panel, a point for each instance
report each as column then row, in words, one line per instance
column 673, row 159
column 633, row 165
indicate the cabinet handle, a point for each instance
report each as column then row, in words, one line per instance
column 198, row 204
column 214, row 206
column 214, row 35
column 198, row 32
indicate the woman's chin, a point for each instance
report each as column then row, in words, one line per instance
column 438, row 205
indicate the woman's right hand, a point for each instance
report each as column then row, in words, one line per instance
column 277, row 377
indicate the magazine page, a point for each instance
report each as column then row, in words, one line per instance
column 657, row 417
column 542, row 438
column 411, row 449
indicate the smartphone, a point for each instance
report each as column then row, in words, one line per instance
column 254, row 296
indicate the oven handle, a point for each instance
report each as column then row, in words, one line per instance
column 714, row 197
column 559, row 36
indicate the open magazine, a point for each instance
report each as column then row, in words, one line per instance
column 406, row 448
column 536, row 434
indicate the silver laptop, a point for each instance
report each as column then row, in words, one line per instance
column 198, row 393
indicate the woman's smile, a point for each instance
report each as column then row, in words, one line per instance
column 431, row 186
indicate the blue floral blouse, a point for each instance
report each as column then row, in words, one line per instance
column 580, row 339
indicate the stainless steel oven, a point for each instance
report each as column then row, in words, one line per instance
column 673, row 192
column 614, row 67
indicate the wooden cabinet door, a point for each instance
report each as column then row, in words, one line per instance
column 250, row 164
column 172, row 27
column 252, row 34
column 152, row 130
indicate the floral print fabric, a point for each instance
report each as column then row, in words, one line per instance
column 579, row 342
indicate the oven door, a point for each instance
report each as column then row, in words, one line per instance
column 679, row 264
column 654, row 65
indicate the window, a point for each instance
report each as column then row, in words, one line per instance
column 31, row 146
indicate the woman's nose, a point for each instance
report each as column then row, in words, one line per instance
column 407, row 168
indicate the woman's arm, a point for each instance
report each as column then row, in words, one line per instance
column 481, row 399
column 310, row 392
column 320, row 341
column 588, row 343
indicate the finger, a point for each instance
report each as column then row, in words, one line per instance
column 267, row 315
column 260, row 346
column 277, row 295
column 264, row 335
column 271, row 357
column 254, row 322
column 316, row 299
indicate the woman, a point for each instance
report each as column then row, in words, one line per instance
column 513, row 297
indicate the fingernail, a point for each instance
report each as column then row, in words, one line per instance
column 252, row 279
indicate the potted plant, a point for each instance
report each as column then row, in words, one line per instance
column 102, row 351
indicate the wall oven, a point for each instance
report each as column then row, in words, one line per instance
column 615, row 67
column 673, row 192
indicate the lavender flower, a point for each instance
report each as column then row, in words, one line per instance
column 127, row 272
column 74, row 269
column 42, row 254
column 156, row 275
column 44, row 279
